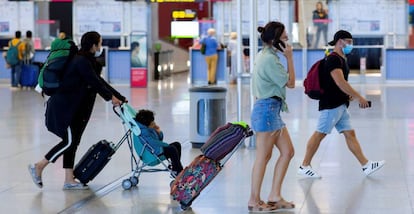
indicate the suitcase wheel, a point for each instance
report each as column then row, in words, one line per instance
column 185, row 207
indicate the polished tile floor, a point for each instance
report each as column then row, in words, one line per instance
column 386, row 131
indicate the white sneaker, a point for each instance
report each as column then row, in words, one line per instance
column 372, row 166
column 308, row 172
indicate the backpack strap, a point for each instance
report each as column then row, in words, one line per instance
column 11, row 44
column 61, row 49
column 18, row 43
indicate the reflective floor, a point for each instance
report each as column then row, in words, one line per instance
column 386, row 131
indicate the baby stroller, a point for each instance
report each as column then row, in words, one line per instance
column 147, row 159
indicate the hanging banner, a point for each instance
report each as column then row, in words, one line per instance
column 139, row 53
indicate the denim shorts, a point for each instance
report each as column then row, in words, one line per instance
column 266, row 115
column 337, row 117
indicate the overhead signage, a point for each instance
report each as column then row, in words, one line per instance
column 184, row 14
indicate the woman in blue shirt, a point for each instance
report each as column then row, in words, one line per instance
column 269, row 82
column 211, row 55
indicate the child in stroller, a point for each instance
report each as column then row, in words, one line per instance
column 152, row 133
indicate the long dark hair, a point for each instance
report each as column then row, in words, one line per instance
column 89, row 39
column 272, row 31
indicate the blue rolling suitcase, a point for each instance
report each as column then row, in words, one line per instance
column 28, row 77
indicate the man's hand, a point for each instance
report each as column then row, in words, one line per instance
column 363, row 103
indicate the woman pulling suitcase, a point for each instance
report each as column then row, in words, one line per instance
column 69, row 109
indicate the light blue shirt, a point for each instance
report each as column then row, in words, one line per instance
column 269, row 76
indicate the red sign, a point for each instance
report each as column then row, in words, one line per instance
column 411, row 2
column 139, row 77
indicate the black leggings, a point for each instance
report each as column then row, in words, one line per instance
column 70, row 141
column 173, row 152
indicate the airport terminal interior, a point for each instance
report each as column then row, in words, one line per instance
column 171, row 65
column 385, row 131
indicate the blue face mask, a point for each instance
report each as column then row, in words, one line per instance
column 347, row 49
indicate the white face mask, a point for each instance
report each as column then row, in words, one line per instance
column 98, row 53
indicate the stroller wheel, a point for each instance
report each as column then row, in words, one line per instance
column 185, row 207
column 126, row 184
column 134, row 180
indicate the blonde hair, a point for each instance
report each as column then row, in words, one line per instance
column 211, row 31
column 233, row 35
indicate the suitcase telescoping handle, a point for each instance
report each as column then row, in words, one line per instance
column 246, row 133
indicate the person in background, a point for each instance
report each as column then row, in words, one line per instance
column 269, row 82
column 211, row 55
column 232, row 50
column 153, row 135
column 62, row 35
column 320, row 21
column 333, row 108
column 246, row 60
column 16, row 69
column 68, row 110
column 29, row 49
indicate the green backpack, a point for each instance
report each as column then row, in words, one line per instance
column 53, row 70
column 12, row 56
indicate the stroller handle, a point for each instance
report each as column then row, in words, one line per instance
column 114, row 108
column 127, row 114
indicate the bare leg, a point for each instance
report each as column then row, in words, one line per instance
column 264, row 147
column 312, row 147
column 354, row 146
column 69, row 177
column 284, row 144
column 41, row 165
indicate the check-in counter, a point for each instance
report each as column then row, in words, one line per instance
column 198, row 67
column 118, row 67
column 397, row 65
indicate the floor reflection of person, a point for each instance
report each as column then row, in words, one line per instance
column 136, row 60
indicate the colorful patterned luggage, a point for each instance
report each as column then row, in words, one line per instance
column 195, row 177
column 189, row 183
column 224, row 139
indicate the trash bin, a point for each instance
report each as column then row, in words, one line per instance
column 207, row 112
